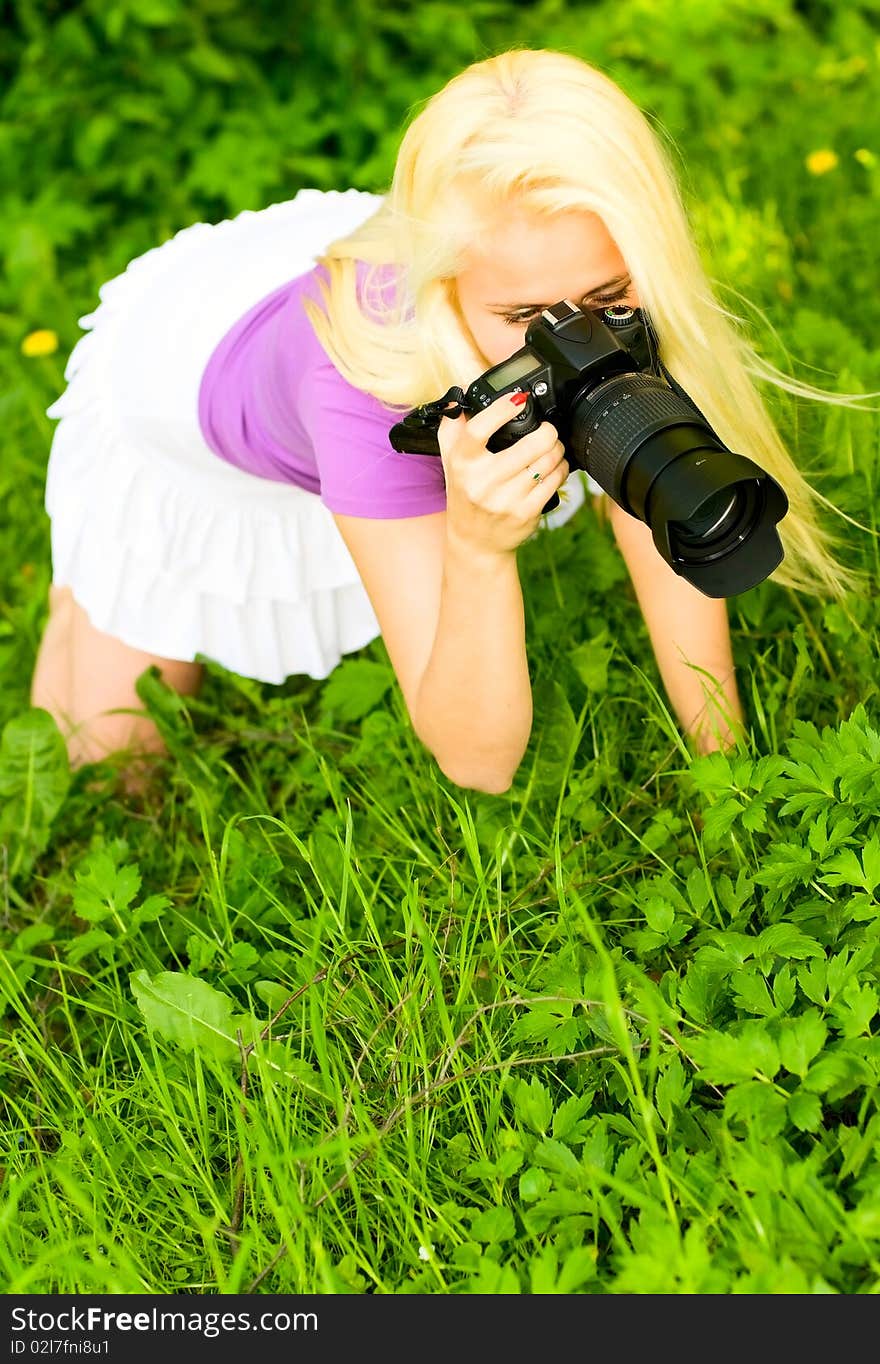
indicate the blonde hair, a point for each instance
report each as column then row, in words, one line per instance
column 553, row 134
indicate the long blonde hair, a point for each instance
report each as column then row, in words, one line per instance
column 551, row 133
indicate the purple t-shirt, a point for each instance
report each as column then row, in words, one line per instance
column 272, row 403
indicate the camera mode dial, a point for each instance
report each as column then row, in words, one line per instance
column 618, row 315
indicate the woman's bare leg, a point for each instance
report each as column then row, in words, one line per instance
column 50, row 686
column 83, row 675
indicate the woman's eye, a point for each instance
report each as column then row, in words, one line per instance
column 598, row 301
column 608, row 300
column 518, row 319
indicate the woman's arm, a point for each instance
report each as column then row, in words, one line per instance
column 474, row 702
column 446, row 593
column 452, row 621
column 685, row 627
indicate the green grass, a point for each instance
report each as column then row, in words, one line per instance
column 615, row 1031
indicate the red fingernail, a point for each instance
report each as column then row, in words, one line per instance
column 519, row 398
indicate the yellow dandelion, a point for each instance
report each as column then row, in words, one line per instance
column 40, row 343
column 822, row 161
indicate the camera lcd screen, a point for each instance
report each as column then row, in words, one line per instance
column 513, row 370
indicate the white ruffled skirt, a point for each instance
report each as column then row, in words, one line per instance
column 166, row 546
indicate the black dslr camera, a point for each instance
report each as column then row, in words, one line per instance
column 597, row 376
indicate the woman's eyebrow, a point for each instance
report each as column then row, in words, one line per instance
column 516, row 307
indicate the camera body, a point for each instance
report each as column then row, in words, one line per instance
column 567, row 350
column 597, row 376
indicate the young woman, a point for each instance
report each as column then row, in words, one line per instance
column 221, row 481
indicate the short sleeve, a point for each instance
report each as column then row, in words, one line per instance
column 360, row 473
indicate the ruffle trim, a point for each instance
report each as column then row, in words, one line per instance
column 263, row 593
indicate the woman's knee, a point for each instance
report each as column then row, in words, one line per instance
column 87, row 680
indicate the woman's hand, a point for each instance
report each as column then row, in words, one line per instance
column 493, row 500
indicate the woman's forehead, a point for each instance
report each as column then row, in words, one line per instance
column 542, row 252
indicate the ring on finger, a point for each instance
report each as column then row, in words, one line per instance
column 539, row 478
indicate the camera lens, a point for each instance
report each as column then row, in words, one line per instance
column 713, row 516
column 653, row 452
column 720, row 526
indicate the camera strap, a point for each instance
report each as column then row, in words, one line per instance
column 431, row 414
